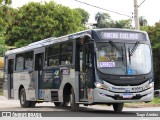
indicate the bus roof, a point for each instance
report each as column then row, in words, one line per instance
column 52, row 40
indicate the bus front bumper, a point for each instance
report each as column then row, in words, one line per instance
column 104, row 96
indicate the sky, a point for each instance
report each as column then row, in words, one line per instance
column 149, row 9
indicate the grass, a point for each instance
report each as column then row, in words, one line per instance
column 154, row 103
column 1, row 92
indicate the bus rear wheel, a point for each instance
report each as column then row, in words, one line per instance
column 24, row 103
column 118, row 107
column 73, row 104
column 58, row 104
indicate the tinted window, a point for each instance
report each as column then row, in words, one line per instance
column 109, row 59
column 53, row 55
column 59, row 54
column 140, row 60
column 29, row 60
column 20, row 61
column 112, row 60
column 66, row 53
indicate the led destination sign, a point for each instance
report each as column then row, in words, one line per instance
column 122, row 35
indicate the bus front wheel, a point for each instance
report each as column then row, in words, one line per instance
column 24, row 103
column 32, row 104
column 118, row 107
column 73, row 104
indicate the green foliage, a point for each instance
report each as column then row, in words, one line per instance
column 156, row 101
column 1, row 1
column 154, row 35
column 1, row 92
column 7, row 2
column 156, row 56
column 104, row 21
column 142, row 21
column 36, row 21
column 7, row 15
column 144, row 28
column 3, row 49
column 122, row 24
column 84, row 14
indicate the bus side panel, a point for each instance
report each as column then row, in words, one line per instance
column 24, row 79
column 71, row 79
column 30, row 92
column 6, row 86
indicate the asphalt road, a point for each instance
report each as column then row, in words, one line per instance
column 90, row 111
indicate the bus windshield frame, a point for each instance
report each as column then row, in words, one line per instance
column 123, row 58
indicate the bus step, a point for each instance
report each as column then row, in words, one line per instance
column 80, row 102
column 83, row 100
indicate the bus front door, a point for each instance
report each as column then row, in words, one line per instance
column 39, row 69
column 10, row 76
column 82, row 74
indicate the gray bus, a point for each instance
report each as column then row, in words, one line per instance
column 97, row 66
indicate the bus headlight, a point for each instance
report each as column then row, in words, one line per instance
column 101, row 86
column 150, row 85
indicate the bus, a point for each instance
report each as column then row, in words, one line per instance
column 96, row 66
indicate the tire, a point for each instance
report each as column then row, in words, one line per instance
column 74, row 106
column 66, row 104
column 118, row 107
column 66, row 99
column 23, row 102
column 58, row 104
column 32, row 104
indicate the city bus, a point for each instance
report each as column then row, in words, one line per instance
column 97, row 66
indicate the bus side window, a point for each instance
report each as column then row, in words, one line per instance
column 29, row 60
column 54, row 55
column 46, row 57
column 19, row 61
column 66, row 53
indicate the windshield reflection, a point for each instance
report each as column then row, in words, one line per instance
column 110, row 58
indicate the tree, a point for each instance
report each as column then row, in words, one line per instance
column 3, row 49
column 36, row 21
column 6, row 17
column 154, row 35
column 84, row 14
column 7, row 2
column 142, row 21
column 103, row 20
column 123, row 24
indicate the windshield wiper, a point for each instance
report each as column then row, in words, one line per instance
column 115, row 46
column 132, row 51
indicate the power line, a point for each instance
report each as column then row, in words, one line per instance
column 102, row 8
column 141, row 3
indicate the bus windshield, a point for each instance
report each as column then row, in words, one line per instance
column 123, row 58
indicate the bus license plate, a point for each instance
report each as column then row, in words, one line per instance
column 127, row 95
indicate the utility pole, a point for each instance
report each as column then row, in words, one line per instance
column 136, row 17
